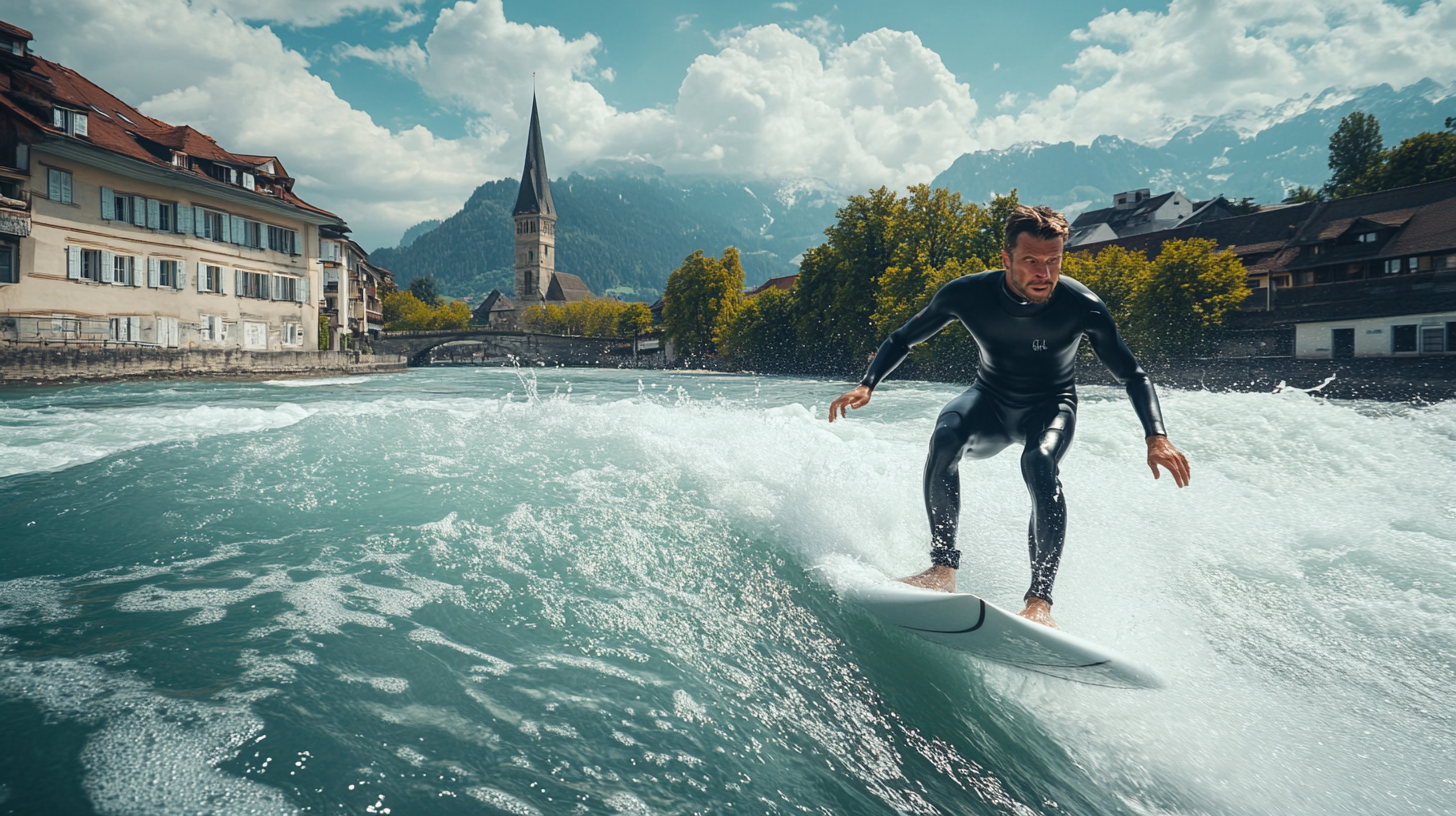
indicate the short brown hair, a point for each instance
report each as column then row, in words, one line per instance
column 1042, row 222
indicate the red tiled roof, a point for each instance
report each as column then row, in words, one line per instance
column 784, row 283
column 115, row 126
column 16, row 31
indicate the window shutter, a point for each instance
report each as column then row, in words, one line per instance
column 292, row 242
column 237, row 227
column 227, row 230
column 154, row 214
column 73, row 262
column 202, row 276
column 131, row 270
column 248, row 181
column 108, row 204
column 179, row 275
column 232, row 175
column 303, row 287
column 53, row 184
column 238, row 279
column 58, row 119
column 277, row 286
column 154, row 273
column 108, row 266
column 184, row 217
column 221, row 284
column 134, row 326
column 80, row 119
column 66, row 187
column 139, row 211
column 199, row 222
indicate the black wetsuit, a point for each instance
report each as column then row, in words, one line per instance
column 1025, row 391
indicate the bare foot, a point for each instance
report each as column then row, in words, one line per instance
column 939, row 578
column 1039, row 611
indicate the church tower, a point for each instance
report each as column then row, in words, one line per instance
column 535, row 218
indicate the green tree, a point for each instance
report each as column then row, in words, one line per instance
column 1355, row 151
column 634, row 319
column 1243, row 206
column 1303, row 195
column 760, row 334
column 424, row 291
column 1117, row 275
column 1417, row 160
column 702, row 295
column 834, row 295
column 1183, row 305
column 404, row 312
column 325, row 336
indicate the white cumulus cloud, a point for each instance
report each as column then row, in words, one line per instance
column 1143, row 74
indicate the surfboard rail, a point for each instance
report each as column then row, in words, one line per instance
column 971, row 624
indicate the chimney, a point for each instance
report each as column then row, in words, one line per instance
column 1131, row 198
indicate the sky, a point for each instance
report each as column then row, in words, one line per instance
column 389, row 112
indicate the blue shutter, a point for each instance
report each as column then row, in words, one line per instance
column 108, row 204
column 154, row 214
column 238, row 279
column 199, row 222
column 154, row 273
column 184, row 218
column 139, row 211
column 227, row 229
column 237, row 228
column 73, row 262
column 53, row 184
column 108, row 266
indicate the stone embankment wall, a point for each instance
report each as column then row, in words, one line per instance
column 31, row 364
column 1398, row 379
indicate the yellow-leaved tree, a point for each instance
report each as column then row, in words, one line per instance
column 700, row 299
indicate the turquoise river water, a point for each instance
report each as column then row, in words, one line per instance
column 478, row 590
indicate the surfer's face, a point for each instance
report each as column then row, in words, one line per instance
column 1033, row 267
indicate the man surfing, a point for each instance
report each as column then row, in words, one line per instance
column 1028, row 323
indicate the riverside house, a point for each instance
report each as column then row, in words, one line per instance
column 117, row 229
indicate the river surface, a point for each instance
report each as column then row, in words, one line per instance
column 484, row 591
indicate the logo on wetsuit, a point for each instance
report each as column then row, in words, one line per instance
column 1038, row 345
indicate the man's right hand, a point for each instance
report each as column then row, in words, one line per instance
column 858, row 398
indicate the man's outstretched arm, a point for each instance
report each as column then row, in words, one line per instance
column 934, row 317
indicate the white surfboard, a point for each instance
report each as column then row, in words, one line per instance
column 969, row 624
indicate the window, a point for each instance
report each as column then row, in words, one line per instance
column 252, row 234
column 1392, row 266
column 292, row 334
column 1280, row 282
column 167, row 274
column 166, row 216
column 9, row 269
column 123, row 270
column 209, row 278
column 214, row 225
column 123, row 117
column 1402, row 339
column 254, row 285
column 1367, row 237
column 121, row 208
column 125, row 329
column 70, row 121
column 58, row 185
column 282, row 240
column 91, row 264
column 286, row 288
column 1451, row 336
column 1432, row 340
column 167, row 332
column 210, row 327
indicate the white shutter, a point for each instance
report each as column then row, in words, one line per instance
column 199, row 222
column 238, row 279
column 202, row 276
column 302, row 291
column 154, row 214
column 73, row 262
column 221, row 283
column 154, row 273
column 108, row 266
column 277, row 286
column 58, row 119
column 139, row 211
column 184, row 218
column 108, row 204
column 134, row 329
column 80, row 120
column 179, row 277
column 248, row 181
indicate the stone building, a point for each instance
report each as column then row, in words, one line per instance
column 355, row 308
column 117, row 229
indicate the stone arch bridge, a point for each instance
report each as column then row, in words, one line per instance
column 547, row 349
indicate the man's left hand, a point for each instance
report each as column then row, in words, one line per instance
column 1162, row 452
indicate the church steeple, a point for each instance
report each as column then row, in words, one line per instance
column 535, row 194
column 535, row 218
